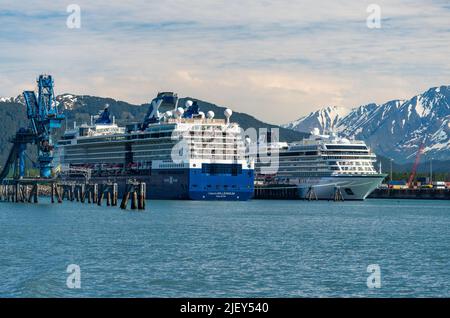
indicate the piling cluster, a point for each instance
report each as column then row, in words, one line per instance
column 19, row 193
column 95, row 193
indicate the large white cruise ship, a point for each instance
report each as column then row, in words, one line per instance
column 180, row 154
column 321, row 166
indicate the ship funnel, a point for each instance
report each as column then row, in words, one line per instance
column 163, row 99
column 104, row 118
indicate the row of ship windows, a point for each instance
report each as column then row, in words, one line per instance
column 351, row 163
column 352, row 169
column 152, row 151
column 304, row 174
column 315, row 174
column 92, row 150
column 318, row 168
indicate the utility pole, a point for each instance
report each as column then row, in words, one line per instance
column 431, row 171
column 391, row 168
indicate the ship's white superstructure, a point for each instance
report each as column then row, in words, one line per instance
column 180, row 154
column 321, row 165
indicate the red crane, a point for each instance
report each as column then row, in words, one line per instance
column 416, row 163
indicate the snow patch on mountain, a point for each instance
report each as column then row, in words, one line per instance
column 326, row 119
column 67, row 101
column 6, row 99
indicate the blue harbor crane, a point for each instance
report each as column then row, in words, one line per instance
column 43, row 116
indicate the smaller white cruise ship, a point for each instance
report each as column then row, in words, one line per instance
column 322, row 166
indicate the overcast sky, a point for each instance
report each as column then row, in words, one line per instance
column 275, row 59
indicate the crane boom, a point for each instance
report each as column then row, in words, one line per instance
column 416, row 164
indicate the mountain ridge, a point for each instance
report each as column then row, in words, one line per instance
column 396, row 128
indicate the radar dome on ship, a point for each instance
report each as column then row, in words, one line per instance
column 210, row 114
column 188, row 103
column 315, row 131
column 201, row 114
column 168, row 114
column 228, row 112
column 179, row 112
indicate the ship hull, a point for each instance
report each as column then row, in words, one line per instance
column 187, row 184
column 239, row 187
column 349, row 187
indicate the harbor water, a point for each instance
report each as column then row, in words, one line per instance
column 227, row 249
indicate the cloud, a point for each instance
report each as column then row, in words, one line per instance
column 276, row 59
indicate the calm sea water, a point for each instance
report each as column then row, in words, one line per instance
column 227, row 249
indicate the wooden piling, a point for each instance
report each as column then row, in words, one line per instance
column 52, row 192
column 134, row 200
column 101, row 196
column 114, row 194
column 338, row 194
column 36, row 193
column 311, row 194
column 83, row 193
column 126, row 196
column 141, row 197
column 95, row 194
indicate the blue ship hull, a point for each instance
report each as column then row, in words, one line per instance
column 239, row 187
column 190, row 184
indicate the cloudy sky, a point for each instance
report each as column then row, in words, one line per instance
column 275, row 59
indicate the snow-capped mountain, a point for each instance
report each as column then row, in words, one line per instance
column 6, row 99
column 395, row 129
column 326, row 118
column 66, row 101
column 18, row 99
